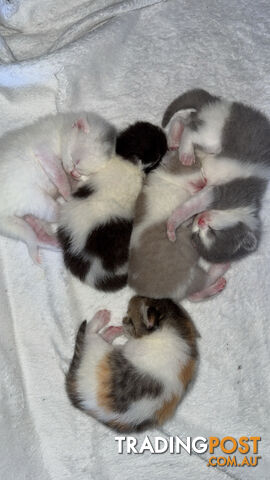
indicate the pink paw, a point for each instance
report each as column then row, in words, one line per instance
column 76, row 175
column 104, row 315
column 187, row 159
column 111, row 333
column 220, row 285
column 171, row 231
column 99, row 320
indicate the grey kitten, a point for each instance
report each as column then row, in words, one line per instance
column 232, row 141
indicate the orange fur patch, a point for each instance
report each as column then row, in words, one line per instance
column 167, row 409
column 104, row 377
column 187, row 372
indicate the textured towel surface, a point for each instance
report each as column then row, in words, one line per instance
column 127, row 60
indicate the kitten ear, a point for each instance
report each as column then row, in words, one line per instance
column 81, row 124
column 250, row 242
column 150, row 316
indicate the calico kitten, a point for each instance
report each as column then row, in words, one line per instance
column 96, row 224
column 158, row 268
column 232, row 141
column 140, row 384
column 42, row 155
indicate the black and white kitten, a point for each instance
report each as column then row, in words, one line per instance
column 95, row 225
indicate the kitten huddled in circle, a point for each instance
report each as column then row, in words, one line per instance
column 141, row 383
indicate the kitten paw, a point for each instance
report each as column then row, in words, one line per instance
column 76, row 175
column 111, row 333
column 187, row 159
column 99, row 320
column 171, row 231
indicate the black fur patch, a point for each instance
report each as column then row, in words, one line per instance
column 129, row 384
column 75, row 263
column 84, row 191
column 71, row 387
column 110, row 243
column 142, row 141
column 112, row 283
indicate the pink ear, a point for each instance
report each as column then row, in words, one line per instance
column 175, row 131
column 81, row 124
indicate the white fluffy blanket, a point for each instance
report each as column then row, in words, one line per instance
column 127, row 59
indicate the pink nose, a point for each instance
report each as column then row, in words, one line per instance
column 201, row 222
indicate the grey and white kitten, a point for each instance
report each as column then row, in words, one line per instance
column 232, row 141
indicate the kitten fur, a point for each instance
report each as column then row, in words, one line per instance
column 96, row 224
column 42, row 155
column 139, row 384
column 232, row 142
column 158, row 268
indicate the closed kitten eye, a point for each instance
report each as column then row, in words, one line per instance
column 129, row 325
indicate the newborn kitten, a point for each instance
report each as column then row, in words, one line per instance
column 42, row 154
column 232, row 141
column 158, row 268
column 141, row 383
column 95, row 225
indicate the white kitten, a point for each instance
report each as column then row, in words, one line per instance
column 42, row 154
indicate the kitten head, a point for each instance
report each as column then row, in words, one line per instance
column 142, row 143
column 224, row 244
column 146, row 315
column 89, row 144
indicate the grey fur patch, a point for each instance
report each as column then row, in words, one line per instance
column 229, row 244
column 129, row 384
column 246, row 135
column 241, row 192
column 158, row 268
column 195, row 98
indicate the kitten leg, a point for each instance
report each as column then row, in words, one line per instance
column 111, row 333
column 44, row 238
column 215, row 288
column 198, row 203
column 99, row 320
column 215, row 282
column 18, row 229
column 176, row 127
column 186, row 150
column 51, row 164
